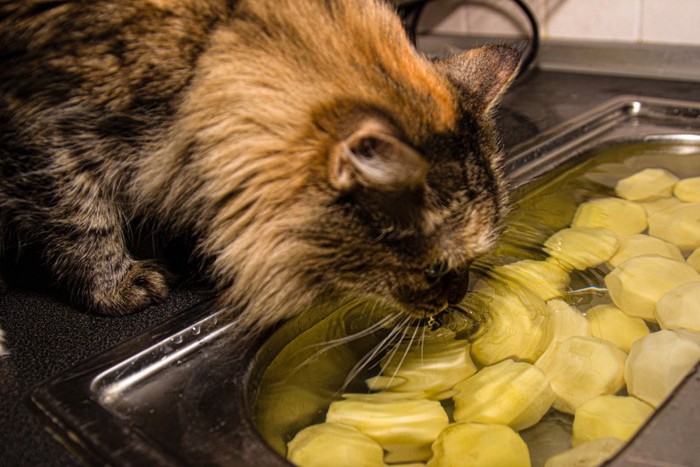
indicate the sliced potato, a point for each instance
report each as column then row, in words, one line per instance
column 479, row 445
column 591, row 454
column 582, row 247
column 619, row 215
column 694, row 259
column 654, row 206
column 511, row 393
column 679, row 225
column 333, row 444
column 680, row 307
column 430, row 368
column 581, row 368
column 688, row 190
column 657, row 363
column 610, row 323
column 403, row 426
column 545, row 279
column 565, row 321
column 515, row 327
column 384, row 383
column 640, row 244
column 692, row 336
column 638, row 283
column 646, row 184
column 408, row 455
column 382, row 396
column 609, row 416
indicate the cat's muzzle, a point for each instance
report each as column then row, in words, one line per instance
column 445, row 288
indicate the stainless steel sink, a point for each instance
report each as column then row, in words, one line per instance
column 183, row 393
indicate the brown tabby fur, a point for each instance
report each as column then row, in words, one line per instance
column 308, row 148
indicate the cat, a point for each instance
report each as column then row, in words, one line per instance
column 305, row 145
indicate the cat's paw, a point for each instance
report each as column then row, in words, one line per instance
column 143, row 285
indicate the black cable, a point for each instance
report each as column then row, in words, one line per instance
column 411, row 11
column 534, row 37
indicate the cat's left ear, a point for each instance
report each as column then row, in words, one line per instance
column 375, row 158
column 484, row 72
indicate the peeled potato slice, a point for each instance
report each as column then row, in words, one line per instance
column 430, row 368
column 544, row 279
column 515, row 327
column 646, row 184
column 694, row 260
column 581, row 368
column 610, row 323
column 679, row 225
column 638, row 283
column 619, row 215
column 582, row 247
column 565, row 321
column 680, row 307
column 333, row 444
column 479, row 445
column 404, row 426
column 688, row 190
column 590, row 454
column 609, row 416
column 654, row 206
column 657, row 363
column 510, row 393
column 640, row 244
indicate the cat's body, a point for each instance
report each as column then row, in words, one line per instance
column 304, row 144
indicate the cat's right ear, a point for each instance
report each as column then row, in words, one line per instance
column 484, row 72
column 374, row 158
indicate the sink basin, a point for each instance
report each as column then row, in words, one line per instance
column 185, row 392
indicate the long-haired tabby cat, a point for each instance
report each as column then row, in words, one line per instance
column 310, row 151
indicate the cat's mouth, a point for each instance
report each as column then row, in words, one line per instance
column 454, row 317
column 425, row 303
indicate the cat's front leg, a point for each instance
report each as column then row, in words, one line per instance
column 87, row 252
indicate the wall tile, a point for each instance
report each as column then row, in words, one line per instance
column 671, row 21
column 444, row 17
column 632, row 21
column 500, row 17
column 611, row 20
column 480, row 17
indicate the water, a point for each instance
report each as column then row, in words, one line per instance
column 312, row 370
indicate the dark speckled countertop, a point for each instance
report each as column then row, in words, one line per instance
column 46, row 337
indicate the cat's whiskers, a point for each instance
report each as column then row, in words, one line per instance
column 334, row 343
column 385, row 343
column 403, row 357
column 390, row 356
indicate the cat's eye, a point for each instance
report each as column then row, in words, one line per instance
column 436, row 270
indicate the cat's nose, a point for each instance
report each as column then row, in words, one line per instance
column 436, row 270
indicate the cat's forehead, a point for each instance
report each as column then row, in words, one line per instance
column 424, row 80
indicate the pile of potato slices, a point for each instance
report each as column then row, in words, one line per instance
column 450, row 401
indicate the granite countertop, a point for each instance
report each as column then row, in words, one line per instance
column 46, row 337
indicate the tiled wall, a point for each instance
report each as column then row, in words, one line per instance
column 633, row 21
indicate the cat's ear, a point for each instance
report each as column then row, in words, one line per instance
column 484, row 72
column 373, row 157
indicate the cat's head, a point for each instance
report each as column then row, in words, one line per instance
column 412, row 193
column 353, row 166
column 397, row 197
